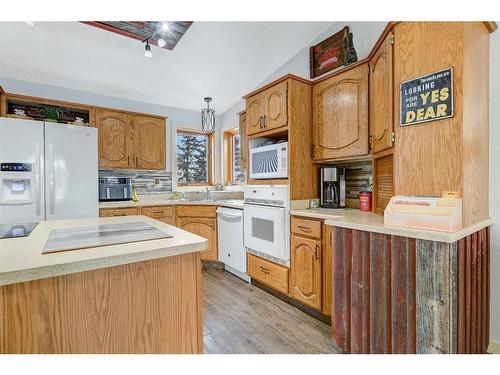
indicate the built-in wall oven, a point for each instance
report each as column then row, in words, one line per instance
column 267, row 222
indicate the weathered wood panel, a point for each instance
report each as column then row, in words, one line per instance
column 473, row 315
column 400, row 295
column 433, row 297
column 360, row 293
column 342, row 245
column 380, row 296
column 403, row 295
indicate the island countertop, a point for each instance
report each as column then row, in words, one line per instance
column 21, row 259
column 368, row 221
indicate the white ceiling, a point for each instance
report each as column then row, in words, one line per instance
column 220, row 59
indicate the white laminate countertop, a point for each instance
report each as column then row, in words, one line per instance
column 231, row 203
column 367, row 221
column 21, row 259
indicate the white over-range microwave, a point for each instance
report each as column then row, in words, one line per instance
column 269, row 161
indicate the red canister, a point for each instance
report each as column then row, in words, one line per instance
column 365, row 200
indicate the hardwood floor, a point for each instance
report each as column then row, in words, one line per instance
column 241, row 318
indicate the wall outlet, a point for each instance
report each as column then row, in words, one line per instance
column 157, row 182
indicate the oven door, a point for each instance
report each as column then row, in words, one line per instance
column 265, row 230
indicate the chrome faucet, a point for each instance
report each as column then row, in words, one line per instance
column 208, row 194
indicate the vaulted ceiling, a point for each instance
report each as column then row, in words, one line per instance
column 219, row 59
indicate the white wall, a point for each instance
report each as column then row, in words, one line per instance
column 177, row 118
column 495, row 184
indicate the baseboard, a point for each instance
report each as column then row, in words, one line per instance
column 494, row 347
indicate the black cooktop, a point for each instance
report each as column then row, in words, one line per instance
column 16, row 230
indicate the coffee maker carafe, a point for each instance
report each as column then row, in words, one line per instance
column 333, row 187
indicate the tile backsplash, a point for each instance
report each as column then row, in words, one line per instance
column 145, row 182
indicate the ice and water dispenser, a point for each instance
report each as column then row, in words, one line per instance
column 17, row 183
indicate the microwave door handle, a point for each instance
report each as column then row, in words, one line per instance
column 125, row 194
column 108, row 194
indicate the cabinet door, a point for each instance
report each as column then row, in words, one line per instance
column 340, row 106
column 149, row 135
column 275, row 108
column 243, row 140
column 114, row 135
column 205, row 228
column 255, row 113
column 381, row 98
column 305, row 282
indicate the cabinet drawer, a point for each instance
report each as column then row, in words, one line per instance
column 107, row 212
column 306, row 227
column 158, row 212
column 196, row 211
column 274, row 275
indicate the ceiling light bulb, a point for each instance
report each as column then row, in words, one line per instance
column 147, row 51
column 164, row 26
column 31, row 23
column 161, row 43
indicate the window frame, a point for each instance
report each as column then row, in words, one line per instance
column 210, row 161
column 228, row 159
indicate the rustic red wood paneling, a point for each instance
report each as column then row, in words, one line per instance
column 380, row 296
column 403, row 295
column 342, row 249
column 473, row 293
column 360, row 292
column 461, row 255
column 374, row 293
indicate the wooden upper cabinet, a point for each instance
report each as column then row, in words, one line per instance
column 340, row 115
column 114, row 134
column 306, row 271
column 243, row 139
column 255, row 113
column 267, row 109
column 275, row 109
column 381, row 97
column 149, row 136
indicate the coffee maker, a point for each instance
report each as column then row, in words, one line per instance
column 332, row 187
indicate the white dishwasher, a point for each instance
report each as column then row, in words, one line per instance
column 230, row 240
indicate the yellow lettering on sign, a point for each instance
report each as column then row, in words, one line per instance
column 429, row 113
column 441, row 110
column 424, row 97
column 420, row 114
column 410, row 116
column 444, row 93
column 435, row 96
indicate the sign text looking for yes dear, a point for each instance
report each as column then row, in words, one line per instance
column 427, row 98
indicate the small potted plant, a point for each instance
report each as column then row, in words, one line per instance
column 50, row 114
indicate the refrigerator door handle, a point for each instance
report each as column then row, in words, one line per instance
column 52, row 180
column 38, row 188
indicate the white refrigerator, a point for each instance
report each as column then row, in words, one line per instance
column 47, row 171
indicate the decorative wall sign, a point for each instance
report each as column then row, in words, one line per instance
column 328, row 54
column 427, row 98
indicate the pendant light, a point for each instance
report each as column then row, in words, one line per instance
column 147, row 50
column 208, row 117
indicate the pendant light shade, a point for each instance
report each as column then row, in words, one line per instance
column 208, row 118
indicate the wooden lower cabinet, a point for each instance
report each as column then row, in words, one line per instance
column 306, row 270
column 204, row 227
column 165, row 214
column 269, row 273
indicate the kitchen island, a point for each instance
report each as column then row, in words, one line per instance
column 135, row 297
column 404, row 290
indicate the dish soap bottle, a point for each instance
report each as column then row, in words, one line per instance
column 135, row 198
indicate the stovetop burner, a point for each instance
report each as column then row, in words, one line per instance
column 16, row 230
